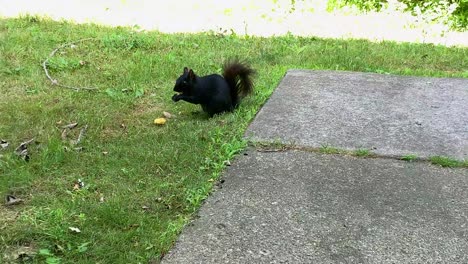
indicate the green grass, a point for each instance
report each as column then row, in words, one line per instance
column 330, row 150
column 409, row 157
column 142, row 182
column 448, row 162
column 362, row 153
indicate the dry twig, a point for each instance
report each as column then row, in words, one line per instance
column 54, row 81
column 81, row 135
column 67, row 128
column 70, row 126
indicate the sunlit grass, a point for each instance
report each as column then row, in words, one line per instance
column 252, row 17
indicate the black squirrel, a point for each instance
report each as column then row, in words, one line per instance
column 216, row 93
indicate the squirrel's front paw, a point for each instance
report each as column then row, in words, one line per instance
column 175, row 98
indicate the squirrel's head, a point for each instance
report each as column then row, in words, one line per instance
column 185, row 81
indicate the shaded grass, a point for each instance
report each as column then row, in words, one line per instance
column 141, row 182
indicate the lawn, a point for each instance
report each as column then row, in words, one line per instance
column 141, row 182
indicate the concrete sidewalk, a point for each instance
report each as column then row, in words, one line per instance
column 305, row 207
column 390, row 115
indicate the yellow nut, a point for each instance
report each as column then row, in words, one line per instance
column 160, row 121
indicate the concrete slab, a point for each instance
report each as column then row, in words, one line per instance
column 390, row 115
column 301, row 207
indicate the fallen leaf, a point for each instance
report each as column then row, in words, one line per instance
column 12, row 200
column 78, row 185
column 22, row 150
column 4, row 144
column 24, row 154
column 160, row 121
column 74, row 229
column 105, row 152
column 24, row 145
column 101, row 200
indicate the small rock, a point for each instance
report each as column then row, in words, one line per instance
column 167, row 115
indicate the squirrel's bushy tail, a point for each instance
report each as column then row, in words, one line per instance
column 238, row 75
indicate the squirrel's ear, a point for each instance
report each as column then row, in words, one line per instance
column 191, row 75
column 185, row 70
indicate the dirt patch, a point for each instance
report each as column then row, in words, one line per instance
column 17, row 253
column 146, row 108
column 8, row 216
